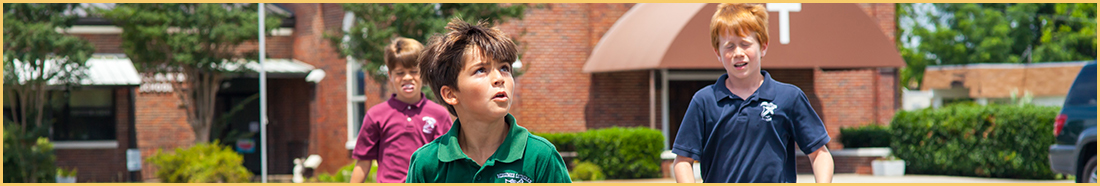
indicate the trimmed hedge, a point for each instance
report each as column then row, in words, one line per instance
column 970, row 140
column 871, row 135
column 622, row 153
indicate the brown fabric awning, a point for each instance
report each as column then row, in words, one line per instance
column 677, row 36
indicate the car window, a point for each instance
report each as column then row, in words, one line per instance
column 1083, row 91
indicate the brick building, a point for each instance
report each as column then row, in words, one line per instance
column 556, row 94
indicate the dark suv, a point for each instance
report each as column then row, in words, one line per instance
column 1074, row 149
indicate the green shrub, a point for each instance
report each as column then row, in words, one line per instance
column 344, row 174
column 201, row 163
column 970, row 140
column 564, row 142
column 871, row 135
column 28, row 158
column 586, row 171
column 623, row 153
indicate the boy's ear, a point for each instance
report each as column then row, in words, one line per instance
column 718, row 54
column 448, row 94
column 763, row 49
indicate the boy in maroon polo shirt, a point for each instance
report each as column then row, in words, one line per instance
column 394, row 129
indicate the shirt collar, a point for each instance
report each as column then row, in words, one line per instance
column 763, row 92
column 402, row 106
column 509, row 151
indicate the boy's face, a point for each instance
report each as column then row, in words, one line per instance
column 740, row 55
column 405, row 82
column 484, row 88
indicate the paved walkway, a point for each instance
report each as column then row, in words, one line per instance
column 858, row 178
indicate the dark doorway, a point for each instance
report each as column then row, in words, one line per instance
column 679, row 97
column 240, row 125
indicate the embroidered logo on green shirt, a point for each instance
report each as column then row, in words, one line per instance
column 511, row 177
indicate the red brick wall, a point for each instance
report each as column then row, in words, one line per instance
column 161, row 124
column 103, row 165
column 619, row 99
column 553, row 94
column 328, row 108
column 278, row 47
column 104, row 43
column 854, row 97
column 884, row 13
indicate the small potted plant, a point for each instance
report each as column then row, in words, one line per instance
column 888, row 166
column 66, row 175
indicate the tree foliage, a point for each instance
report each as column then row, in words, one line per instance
column 37, row 59
column 377, row 23
column 37, row 56
column 195, row 40
column 956, row 33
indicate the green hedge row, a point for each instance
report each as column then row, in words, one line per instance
column 871, row 135
column 969, row 140
column 622, row 153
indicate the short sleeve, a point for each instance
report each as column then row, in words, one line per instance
column 689, row 139
column 809, row 131
column 415, row 174
column 554, row 170
column 366, row 144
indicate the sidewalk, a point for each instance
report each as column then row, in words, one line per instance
column 859, row 178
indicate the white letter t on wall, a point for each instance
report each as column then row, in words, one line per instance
column 784, row 10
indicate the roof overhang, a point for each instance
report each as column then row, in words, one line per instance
column 677, row 36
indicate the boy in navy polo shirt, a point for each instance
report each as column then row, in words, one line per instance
column 392, row 130
column 744, row 127
column 470, row 68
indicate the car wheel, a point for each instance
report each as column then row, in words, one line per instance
column 1088, row 173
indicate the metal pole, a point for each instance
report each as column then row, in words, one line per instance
column 263, row 99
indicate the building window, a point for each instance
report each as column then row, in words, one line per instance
column 88, row 114
column 356, row 101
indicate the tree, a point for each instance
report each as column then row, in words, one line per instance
column 195, row 40
column 951, row 33
column 37, row 59
column 376, row 24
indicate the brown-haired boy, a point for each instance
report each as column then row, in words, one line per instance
column 744, row 127
column 392, row 130
column 470, row 68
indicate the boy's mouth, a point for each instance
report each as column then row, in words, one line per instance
column 500, row 96
column 408, row 87
column 741, row 64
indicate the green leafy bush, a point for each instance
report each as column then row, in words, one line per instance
column 201, row 163
column 562, row 141
column 871, row 135
column 623, row 153
column 28, row 158
column 344, row 174
column 970, row 140
column 586, row 171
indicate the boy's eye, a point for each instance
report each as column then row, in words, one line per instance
column 414, row 72
column 479, row 70
column 505, row 68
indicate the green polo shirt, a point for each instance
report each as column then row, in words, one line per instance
column 521, row 158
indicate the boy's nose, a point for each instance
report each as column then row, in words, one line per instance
column 497, row 78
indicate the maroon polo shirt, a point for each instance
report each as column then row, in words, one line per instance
column 393, row 130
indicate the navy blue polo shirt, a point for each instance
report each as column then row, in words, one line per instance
column 749, row 140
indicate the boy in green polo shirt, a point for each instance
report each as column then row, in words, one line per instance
column 470, row 69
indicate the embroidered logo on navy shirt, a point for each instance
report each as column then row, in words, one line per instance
column 769, row 109
column 429, row 124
